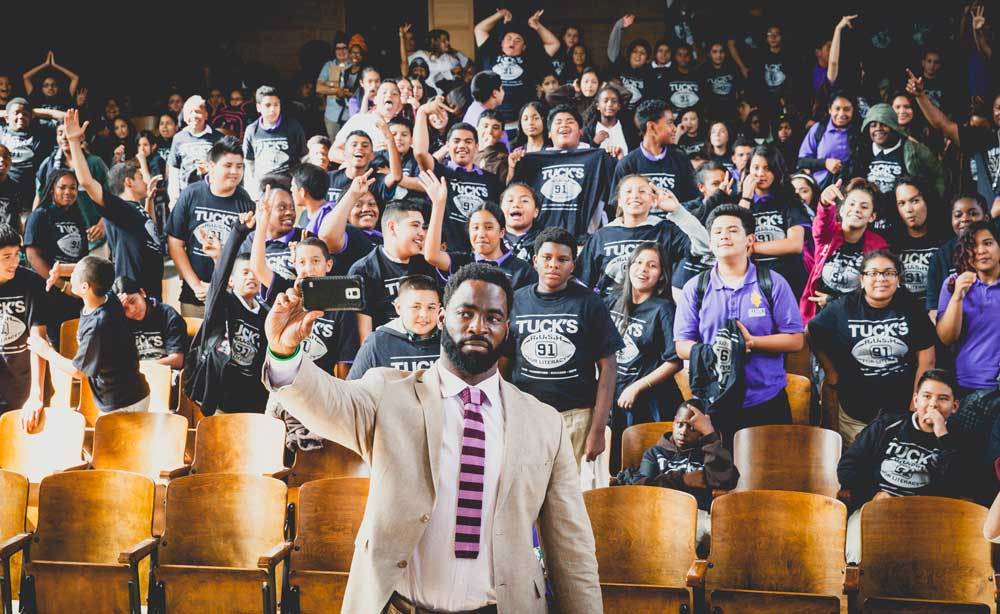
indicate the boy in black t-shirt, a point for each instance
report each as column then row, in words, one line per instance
column 159, row 331
column 206, row 212
column 403, row 230
column 189, row 150
column 906, row 454
column 22, row 304
column 242, row 389
column 110, row 366
column 273, row 143
column 562, row 333
column 411, row 341
column 131, row 231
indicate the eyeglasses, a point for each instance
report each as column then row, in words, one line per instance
column 890, row 274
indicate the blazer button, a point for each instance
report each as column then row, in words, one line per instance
column 425, row 518
column 401, row 564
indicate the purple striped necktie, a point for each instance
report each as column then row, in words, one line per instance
column 469, row 514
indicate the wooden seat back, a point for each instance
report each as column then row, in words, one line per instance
column 812, row 468
column 92, row 516
column 193, row 324
column 683, row 384
column 55, row 445
column 141, row 442
column 222, row 520
column 329, row 516
column 331, row 461
column 925, row 548
column 799, row 391
column 160, row 379
column 638, row 438
column 65, row 388
column 13, row 503
column 627, row 551
column 239, row 443
column 778, row 541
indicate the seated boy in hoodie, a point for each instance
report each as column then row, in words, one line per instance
column 411, row 341
column 905, row 454
column 691, row 458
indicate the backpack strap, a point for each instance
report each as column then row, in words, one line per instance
column 766, row 285
column 704, row 278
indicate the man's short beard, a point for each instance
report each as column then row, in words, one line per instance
column 473, row 364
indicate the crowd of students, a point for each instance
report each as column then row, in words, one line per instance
column 711, row 200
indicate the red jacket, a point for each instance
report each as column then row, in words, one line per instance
column 828, row 236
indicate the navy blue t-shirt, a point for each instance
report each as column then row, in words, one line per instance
column 161, row 333
column 382, row 276
column 390, row 348
column 603, row 262
column 466, row 191
column 22, row 305
column 111, row 367
column 133, row 236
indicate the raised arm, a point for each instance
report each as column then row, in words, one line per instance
column 74, row 79
column 258, row 247
column 690, row 225
column 549, row 40
column 334, row 227
column 437, row 191
column 734, row 52
column 979, row 33
column 404, row 64
column 78, row 160
column 615, row 38
column 421, row 136
column 484, row 27
column 27, row 77
column 395, row 160
column 935, row 117
column 833, row 66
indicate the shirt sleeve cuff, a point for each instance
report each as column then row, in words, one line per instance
column 281, row 371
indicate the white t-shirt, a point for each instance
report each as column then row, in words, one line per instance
column 365, row 122
column 616, row 137
column 441, row 66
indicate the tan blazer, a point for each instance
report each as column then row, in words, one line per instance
column 393, row 419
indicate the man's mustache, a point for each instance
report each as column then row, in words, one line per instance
column 484, row 340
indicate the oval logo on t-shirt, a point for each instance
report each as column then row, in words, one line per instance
column 547, row 350
column 561, row 189
column 628, row 353
column 11, row 329
column 879, row 351
column 684, row 99
column 508, row 68
column 314, row 348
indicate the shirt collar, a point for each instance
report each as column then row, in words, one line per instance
column 275, row 126
column 830, row 127
column 876, row 150
column 254, row 309
column 719, row 284
column 207, row 130
column 289, row 237
column 455, row 167
column 649, row 221
column 652, row 157
column 499, row 261
column 452, row 385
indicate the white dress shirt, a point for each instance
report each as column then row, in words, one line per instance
column 435, row 579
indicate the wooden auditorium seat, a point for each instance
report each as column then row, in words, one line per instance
column 638, row 438
column 331, row 461
column 238, row 443
column 764, row 456
column 13, row 515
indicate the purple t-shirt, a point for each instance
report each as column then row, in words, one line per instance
column 833, row 144
column 977, row 359
column 765, row 372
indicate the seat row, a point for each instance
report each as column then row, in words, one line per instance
column 223, row 548
column 780, row 552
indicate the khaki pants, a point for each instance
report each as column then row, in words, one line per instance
column 189, row 310
column 596, row 474
column 852, row 549
column 138, row 406
column 849, row 427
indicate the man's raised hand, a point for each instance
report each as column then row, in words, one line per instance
column 288, row 324
column 72, row 129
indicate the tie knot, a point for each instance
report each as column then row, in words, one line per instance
column 471, row 395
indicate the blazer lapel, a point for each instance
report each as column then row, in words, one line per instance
column 429, row 392
column 514, row 435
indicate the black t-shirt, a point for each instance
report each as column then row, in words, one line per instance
column 916, row 255
column 111, row 367
column 885, row 168
column 387, row 347
column 138, row 254
column 982, row 147
column 774, row 218
column 277, row 252
column 690, row 144
column 27, row 150
column 775, row 73
column 518, row 74
column 382, row 276
column 842, row 270
column 58, row 232
column 683, row 91
column 340, row 182
column 672, row 172
column 198, row 208
column 274, row 150
column 11, row 203
column 22, row 305
column 573, row 184
column 161, row 333
column 518, row 271
column 649, row 342
column 411, row 168
column 557, row 340
column 241, row 383
column 603, row 262
column 334, row 339
column 466, row 191
column 721, row 85
column 942, row 265
column 186, row 150
column 523, row 246
column 640, row 83
column 874, row 350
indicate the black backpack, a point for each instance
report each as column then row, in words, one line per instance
column 764, row 281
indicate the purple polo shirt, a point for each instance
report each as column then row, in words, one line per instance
column 765, row 372
column 977, row 359
column 834, row 144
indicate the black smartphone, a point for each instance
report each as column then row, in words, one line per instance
column 333, row 293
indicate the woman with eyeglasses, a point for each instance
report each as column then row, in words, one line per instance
column 967, row 308
column 873, row 344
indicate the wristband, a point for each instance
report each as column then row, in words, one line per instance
column 283, row 358
column 742, row 198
